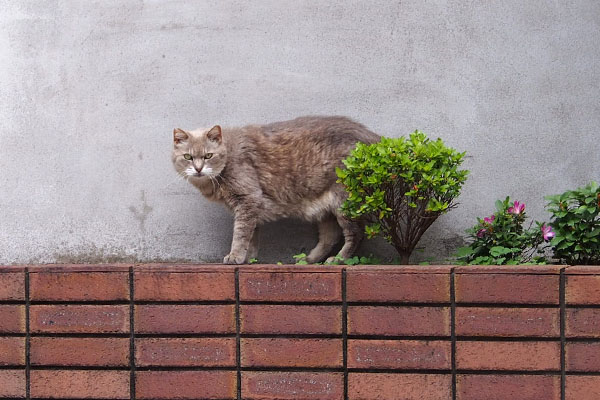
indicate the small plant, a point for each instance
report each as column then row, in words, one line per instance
column 300, row 259
column 253, row 261
column 399, row 187
column 501, row 238
column 576, row 220
column 356, row 260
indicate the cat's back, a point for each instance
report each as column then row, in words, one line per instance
column 338, row 130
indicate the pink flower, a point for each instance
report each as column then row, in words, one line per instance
column 517, row 208
column 547, row 232
column 481, row 233
column 489, row 220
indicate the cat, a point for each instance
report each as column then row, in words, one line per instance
column 266, row 172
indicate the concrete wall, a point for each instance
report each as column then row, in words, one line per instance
column 91, row 90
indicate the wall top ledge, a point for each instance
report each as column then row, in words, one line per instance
column 357, row 269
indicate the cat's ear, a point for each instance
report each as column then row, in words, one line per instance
column 179, row 136
column 215, row 134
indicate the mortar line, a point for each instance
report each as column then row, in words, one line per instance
column 132, row 368
column 27, row 339
column 345, row 333
column 453, row 332
column 563, row 340
column 238, row 351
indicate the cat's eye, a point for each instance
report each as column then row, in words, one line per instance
column 208, row 155
column 187, row 156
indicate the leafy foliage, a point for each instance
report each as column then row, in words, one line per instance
column 501, row 238
column 400, row 186
column 356, row 260
column 576, row 220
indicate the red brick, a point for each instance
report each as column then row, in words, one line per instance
column 508, row 387
column 291, row 319
column 185, row 319
column 398, row 287
column 280, row 352
column 12, row 351
column 184, row 286
column 79, row 286
column 79, row 351
column 12, row 286
column 12, row 319
column 369, row 386
column 12, row 383
column 507, row 288
column 583, row 357
column 583, row 270
column 74, row 384
column 273, row 286
column 583, row 388
column 188, row 352
column 507, row 356
column 508, row 322
column 583, row 289
column 399, row 354
column 79, row 319
column 185, row 385
column 583, row 322
column 292, row 386
column 62, row 268
column 399, row 321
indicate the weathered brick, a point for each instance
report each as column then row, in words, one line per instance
column 583, row 289
column 508, row 387
column 292, row 386
column 285, row 286
column 79, row 319
column 12, row 351
column 12, row 319
column 188, row 352
column 507, row 288
column 79, row 351
column 185, row 318
column 291, row 319
column 582, row 388
column 184, row 286
column 583, row 322
column 12, row 286
column 399, row 354
column 280, row 352
column 508, row 322
column 12, row 383
column 74, row 384
column 79, row 286
column 399, row 321
column 505, row 356
column 185, row 385
column 583, row 357
column 370, row 386
column 397, row 287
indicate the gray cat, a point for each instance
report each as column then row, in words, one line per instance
column 266, row 172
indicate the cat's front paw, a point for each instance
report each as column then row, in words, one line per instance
column 232, row 258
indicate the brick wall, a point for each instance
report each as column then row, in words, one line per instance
column 300, row 332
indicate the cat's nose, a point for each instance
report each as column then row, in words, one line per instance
column 198, row 169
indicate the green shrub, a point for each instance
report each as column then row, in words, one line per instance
column 501, row 238
column 400, row 186
column 576, row 220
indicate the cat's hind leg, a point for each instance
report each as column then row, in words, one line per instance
column 329, row 235
column 353, row 235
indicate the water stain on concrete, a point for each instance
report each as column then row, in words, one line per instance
column 142, row 214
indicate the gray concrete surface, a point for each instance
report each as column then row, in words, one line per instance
column 91, row 90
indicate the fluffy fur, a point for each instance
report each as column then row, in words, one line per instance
column 267, row 172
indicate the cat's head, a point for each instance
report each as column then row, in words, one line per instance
column 199, row 153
